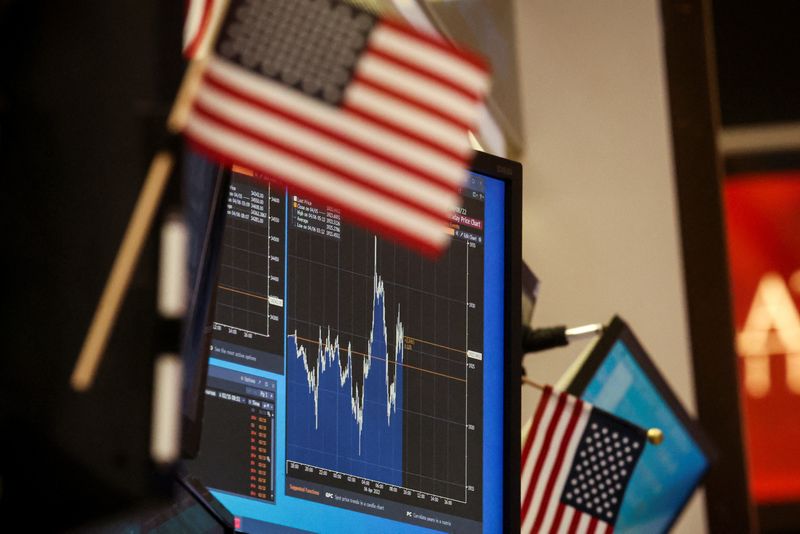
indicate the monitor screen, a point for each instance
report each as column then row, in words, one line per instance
column 619, row 377
column 353, row 385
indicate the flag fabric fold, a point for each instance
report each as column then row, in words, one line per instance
column 364, row 114
column 576, row 463
column 197, row 24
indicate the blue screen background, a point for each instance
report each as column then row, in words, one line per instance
column 290, row 514
column 667, row 474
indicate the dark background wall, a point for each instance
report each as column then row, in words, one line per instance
column 758, row 60
column 84, row 88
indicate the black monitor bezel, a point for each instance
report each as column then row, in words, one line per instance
column 510, row 172
column 197, row 329
column 618, row 330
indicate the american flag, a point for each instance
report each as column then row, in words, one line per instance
column 365, row 114
column 576, row 464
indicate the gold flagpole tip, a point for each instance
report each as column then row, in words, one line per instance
column 655, row 436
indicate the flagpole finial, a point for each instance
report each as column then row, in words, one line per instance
column 655, row 436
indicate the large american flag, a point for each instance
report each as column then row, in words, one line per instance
column 576, row 464
column 365, row 114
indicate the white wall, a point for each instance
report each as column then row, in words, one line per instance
column 600, row 220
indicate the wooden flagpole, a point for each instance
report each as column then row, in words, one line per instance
column 527, row 381
column 105, row 316
column 140, row 223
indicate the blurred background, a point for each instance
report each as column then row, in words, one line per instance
column 639, row 121
column 661, row 148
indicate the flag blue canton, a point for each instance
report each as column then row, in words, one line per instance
column 603, row 463
column 309, row 45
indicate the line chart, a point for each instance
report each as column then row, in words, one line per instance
column 250, row 294
column 350, row 381
column 356, row 372
column 378, row 344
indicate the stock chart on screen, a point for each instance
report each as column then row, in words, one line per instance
column 346, row 372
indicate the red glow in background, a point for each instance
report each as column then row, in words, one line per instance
column 763, row 226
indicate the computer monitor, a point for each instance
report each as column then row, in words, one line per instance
column 356, row 386
column 617, row 375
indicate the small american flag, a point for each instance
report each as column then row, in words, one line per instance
column 364, row 114
column 576, row 464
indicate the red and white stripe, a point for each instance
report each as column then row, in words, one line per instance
column 197, row 26
column 392, row 157
column 547, row 457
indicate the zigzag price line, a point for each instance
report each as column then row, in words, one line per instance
column 353, row 366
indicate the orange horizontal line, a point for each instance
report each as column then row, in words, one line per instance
column 226, row 288
column 436, row 344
